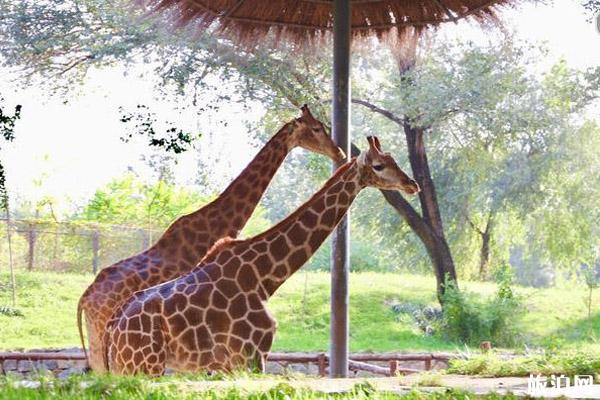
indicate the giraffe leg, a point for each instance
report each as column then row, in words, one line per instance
column 259, row 362
column 156, row 359
column 96, row 352
column 138, row 352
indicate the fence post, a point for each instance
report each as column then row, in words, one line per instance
column 13, row 283
column 95, row 250
column 145, row 239
column 393, row 367
column 31, row 239
column 428, row 363
column 322, row 361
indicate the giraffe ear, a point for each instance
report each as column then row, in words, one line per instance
column 305, row 111
column 374, row 144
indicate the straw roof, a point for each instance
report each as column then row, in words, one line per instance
column 306, row 21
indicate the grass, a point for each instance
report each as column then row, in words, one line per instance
column 556, row 317
column 567, row 362
column 138, row 388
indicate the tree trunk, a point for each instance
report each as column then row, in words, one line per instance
column 437, row 246
column 484, row 257
column 437, row 249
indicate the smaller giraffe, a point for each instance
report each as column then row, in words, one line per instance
column 215, row 317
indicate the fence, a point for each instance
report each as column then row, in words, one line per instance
column 386, row 364
column 44, row 245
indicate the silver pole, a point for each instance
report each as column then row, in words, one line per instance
column 340, row 258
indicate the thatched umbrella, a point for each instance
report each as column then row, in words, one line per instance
column 306, row 22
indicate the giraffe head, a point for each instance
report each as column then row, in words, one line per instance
column 379, row 169
column 310, row 134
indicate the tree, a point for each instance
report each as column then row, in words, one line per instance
column 7, row 130
column 453, row 109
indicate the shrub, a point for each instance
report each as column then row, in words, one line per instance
column 469, row 319
column 10, row 311
column 426, row 318
column 569, row 363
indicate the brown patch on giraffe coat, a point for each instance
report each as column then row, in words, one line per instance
column 203, row 337
column 319, row 205
column 213, row 272
column 202, row 296
column 254, row 301
column 256, row 336
column 328, row 219
column 235, row 343
column 238, row 222
column 228, row 287
column 279, row 248
column 134, row 324
column 217, row 321
column 266, row 342
column 188, row 255
column 260, row 247
column 188, row 339
column 220, row 352
column 299, row 257
column 177, row 302
column 193, row 316
column 270, row 285
column 331, row 200
column 316, row 238
column 343, row 198
column 177, row 324
column 255, row 196
column 280, row 271
column 249, row 255
column 237, row 306
column 297, row 235
column 263, row 265
column 219, row 301
column 242, row 329
column 309, row 219
column 146, row 322
column 224, row 256
column 246, row 278
column 189, row 234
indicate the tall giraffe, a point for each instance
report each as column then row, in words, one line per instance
column 188, row 239
column 215, row 317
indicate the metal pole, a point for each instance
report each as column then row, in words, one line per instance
column 340, row 257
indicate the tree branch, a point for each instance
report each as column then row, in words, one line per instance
column 388, row 114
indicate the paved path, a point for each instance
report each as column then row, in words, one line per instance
column 478, row 385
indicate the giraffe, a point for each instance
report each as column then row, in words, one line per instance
column 188, row 239
column 215, row 318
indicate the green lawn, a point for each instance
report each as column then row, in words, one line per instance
column 262, row 387
column 556, row 317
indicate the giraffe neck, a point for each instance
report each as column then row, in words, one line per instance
column 228, row 214
column 245, row 191
column 294, row 240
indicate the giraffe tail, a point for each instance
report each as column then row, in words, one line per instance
column 80, row 327
column 105, row 347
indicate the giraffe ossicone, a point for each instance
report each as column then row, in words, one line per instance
column 215, row 318
column 188, row 239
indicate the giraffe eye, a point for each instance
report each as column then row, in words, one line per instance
column 378, row 167
column 315, row 130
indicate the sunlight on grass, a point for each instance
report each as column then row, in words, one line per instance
column 556, row 317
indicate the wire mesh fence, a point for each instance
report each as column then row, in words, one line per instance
column 42, row 245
